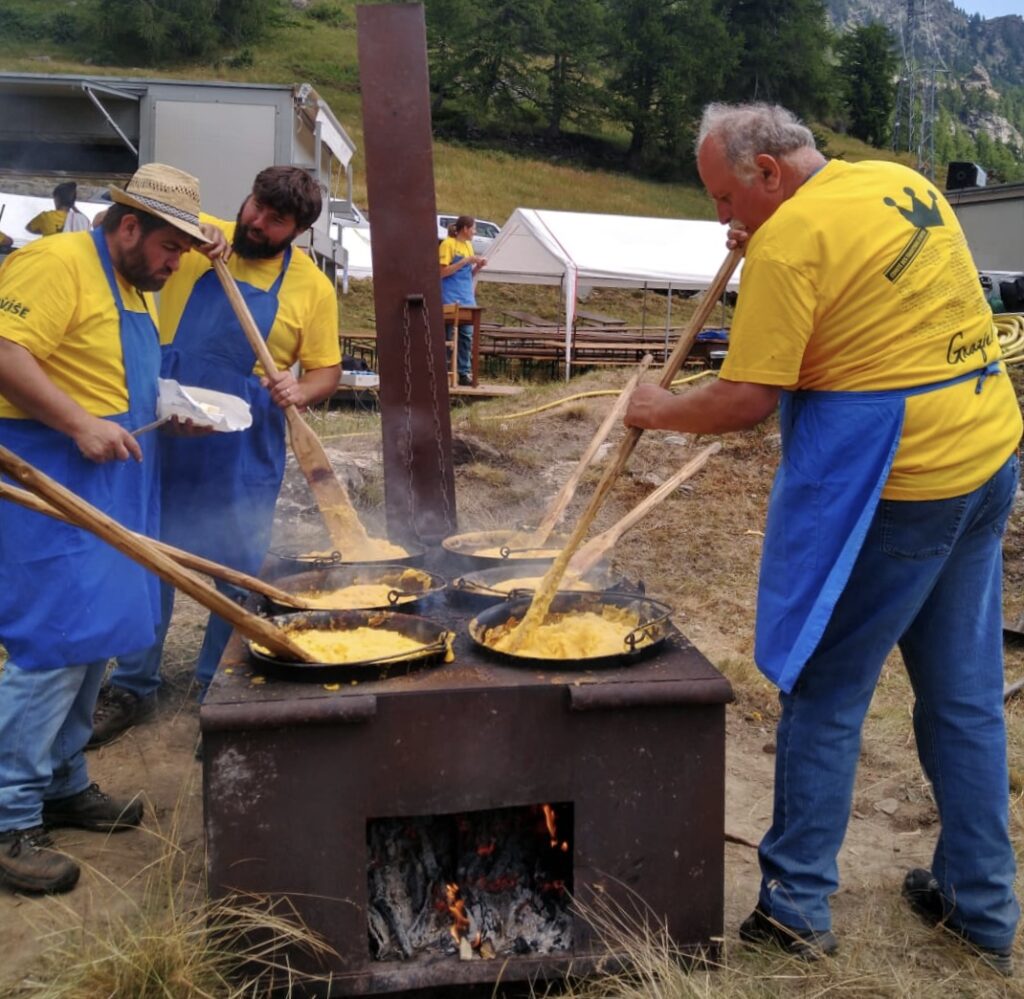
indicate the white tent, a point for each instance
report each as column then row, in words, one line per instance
column 574, row 250
column 21, row 208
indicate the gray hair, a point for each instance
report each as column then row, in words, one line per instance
column 748, row 130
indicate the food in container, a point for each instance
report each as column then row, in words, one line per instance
column 572, row 635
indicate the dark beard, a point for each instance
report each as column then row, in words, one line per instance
column 250, row 249
column 133, row 269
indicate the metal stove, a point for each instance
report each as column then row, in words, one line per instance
column 294, row 775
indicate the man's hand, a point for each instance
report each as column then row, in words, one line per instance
column 737, row 236
column 284, row 390
column 645, row 407
column 177, row 427
column 102, row 440
column 218, row 247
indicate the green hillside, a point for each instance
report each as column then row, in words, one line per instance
column 318, row 45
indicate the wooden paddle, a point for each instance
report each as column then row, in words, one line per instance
column 182, row 557
column 549, row 584
column 142, row 550
column 596, row 548
column 343, row 524
column 565, row 495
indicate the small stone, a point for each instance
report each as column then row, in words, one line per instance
column 888, row 805
column 768, row 748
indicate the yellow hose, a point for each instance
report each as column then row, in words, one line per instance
column 1010, row 329
column 581, row 395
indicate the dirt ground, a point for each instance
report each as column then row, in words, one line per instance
column 699, row 551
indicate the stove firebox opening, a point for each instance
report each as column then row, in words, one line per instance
column 471, row 885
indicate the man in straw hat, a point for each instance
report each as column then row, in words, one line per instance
column 861, row 315
column 219, row 491
column 79, row 359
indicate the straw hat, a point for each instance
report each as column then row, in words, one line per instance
column 167, row 192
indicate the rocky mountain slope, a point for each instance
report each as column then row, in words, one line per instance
column 955, row 39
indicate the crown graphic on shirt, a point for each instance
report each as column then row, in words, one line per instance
column 919, row 215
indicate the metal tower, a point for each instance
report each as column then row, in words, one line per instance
column 914, row 122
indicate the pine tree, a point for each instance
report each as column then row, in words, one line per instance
column 867, row 68
column 785, row 54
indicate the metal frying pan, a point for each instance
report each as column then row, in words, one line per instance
column 434, row 638
column 483, row 588
column 409, row 586
column 653, row 623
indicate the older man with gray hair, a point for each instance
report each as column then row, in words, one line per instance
column 861, row 316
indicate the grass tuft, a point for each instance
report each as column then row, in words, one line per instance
column 171, row 942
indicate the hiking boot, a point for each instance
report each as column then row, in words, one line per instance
column 807, row 945
column 924, row 896
column 29, row 863
column 92, row 809
column 117, row 711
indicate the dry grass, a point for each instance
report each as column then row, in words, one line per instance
column 172, row 943
column 699, row 550
column 884, row 958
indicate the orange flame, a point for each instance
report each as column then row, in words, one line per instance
column 549, row 821
column 552, row 824
column 457, row 910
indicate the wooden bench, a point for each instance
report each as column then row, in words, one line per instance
column 599, row 319
column 529, row 319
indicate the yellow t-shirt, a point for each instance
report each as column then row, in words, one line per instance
column 56, row 303
column 48, row 223
column 863, row 281
column 449, row 248
column 306, row 325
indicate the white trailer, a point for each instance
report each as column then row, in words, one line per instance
column 104, row 127
column 993, row 221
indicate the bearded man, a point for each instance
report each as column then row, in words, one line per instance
column 79, row 359
column 219, row 490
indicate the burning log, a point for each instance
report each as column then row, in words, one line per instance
column 477, row 885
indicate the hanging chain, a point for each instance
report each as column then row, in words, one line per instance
column 442, row 462
column 407, row 368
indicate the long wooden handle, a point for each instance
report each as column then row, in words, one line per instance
column 241, row 309
column 565, row 495
column 545, row 593
column 346, row 530
column 86, row 516
column 182, row 557
column 596, row 548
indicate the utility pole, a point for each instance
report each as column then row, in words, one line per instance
column 914, row 123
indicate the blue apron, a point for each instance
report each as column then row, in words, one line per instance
column 219, row 491
column 457, row 288
column 837, row 450
column 66, row 597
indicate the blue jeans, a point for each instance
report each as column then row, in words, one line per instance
column 464, row 361
column 139, row 673
column 928, row 579
column 45, row 722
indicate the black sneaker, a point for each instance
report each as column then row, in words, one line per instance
column 117, row 711
column 465, row 379
column 924, row 896
column 92, row 809
column 28, row 862
column 807, row 945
